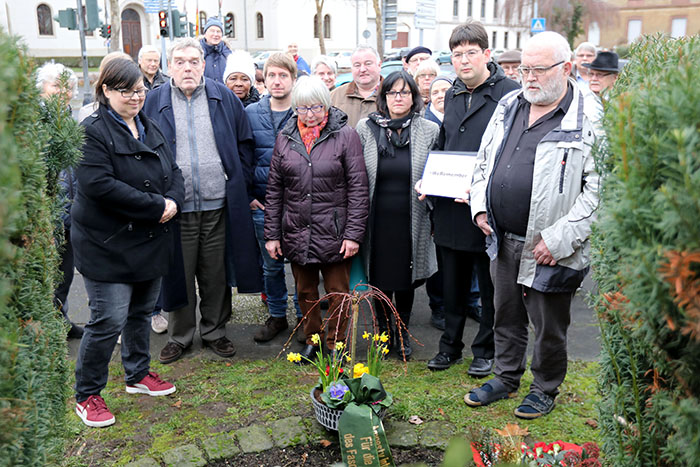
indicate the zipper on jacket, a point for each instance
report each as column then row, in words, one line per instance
column 128, row 226
column 469, row 101
column 194, row 157
column 335, row 222
column 223, row 171
column 563, row 169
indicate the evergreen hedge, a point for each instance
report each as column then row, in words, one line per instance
column 33, row 367
column 646, row 248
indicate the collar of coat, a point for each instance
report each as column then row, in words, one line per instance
column 496, row 74
column 122, row 139
column 212, row 91
column 336, row 120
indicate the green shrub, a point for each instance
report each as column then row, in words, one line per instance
column 646, row 248
column 33, row 368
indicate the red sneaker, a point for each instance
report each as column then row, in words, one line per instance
column 94, row 412
column 152, row 385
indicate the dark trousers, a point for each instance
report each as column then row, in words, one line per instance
column 336, row 278
column 115, row 308
column 516, row 306
column 403, row 302
column 203, row 237
column 457, row 275
column 66, row 268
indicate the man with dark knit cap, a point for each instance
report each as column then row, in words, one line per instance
column 414, row 57
column 215, row 49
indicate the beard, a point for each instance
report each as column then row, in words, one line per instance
column 547, row 93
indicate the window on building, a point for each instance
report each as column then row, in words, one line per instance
column 517, row 40
column 202, row 21
column 678, row 27
column 43, row 17
column 505, row 40
column 594, row 33
column 494, row 40
column 455, row 8
column 230, row 18
column 483, row 9
column 327, row 27
column 495, row 9
column 469, row 8
column 260, row 27
column 316, row 33
column 634, row 30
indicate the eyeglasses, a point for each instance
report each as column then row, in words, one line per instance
column 129, row 94
column 598, row 74
column 470, row 54
column 536, row 71
column 181, row 63
column 317, row 109
column 396, row 94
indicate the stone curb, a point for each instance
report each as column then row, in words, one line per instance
column 291, row 431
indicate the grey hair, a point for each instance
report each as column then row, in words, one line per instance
column 51, row 72
column 310, row 90
column 324, row 60
column 587, row 46
column 365, row 47
column 561, row 52
column 185, row 43
column 427, row 65
column 147, row 49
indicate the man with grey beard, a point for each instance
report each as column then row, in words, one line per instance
column 534, row 194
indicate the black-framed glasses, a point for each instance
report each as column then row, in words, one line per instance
column 537, row 71
column 396, row 94
column 317, row 109
column 129, row 94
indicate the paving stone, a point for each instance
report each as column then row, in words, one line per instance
column 187, row 455
column 254, row 438
column 317, row 432
column 436, row 434
column 220, row 446
column 145, row 462
column 401, row 434
column 288, row 432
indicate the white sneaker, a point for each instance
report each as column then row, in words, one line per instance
column 119, row 340
column 159, row 323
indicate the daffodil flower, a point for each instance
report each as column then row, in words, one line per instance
column 385, row 350
column 384, row 337
column 366, row 335
column 316, row 339
column 339, row 346
column 359, row 370
column 293, row 357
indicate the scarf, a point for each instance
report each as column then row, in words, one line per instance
column 309, row 135
column 388, row 133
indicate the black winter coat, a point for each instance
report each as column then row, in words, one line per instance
column 466, row 117
column 316, row 200
column 122, row 186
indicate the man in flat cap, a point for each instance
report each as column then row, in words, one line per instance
column 510, row 61
column 414, row 57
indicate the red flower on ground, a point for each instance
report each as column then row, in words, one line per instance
column 592, row 450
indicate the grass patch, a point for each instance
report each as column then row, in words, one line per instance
column 215, row 396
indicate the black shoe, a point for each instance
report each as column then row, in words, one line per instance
column 171, row 352
column 480, row 367
column 324, row 305
column 221, row 347
column 474, row 312
column 272, row 327
column 437, row 319
column 301, row 337
column 443, row 360
column 75, row 331
column 308, row 352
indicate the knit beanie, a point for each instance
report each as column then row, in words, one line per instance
column 213, row 21
column 441, row 78
column 240, row 61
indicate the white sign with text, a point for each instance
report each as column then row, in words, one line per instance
column 448, row 173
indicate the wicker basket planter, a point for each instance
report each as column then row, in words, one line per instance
column 327, row 416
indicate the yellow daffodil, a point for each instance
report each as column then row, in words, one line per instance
column 375, row 338
column 339, row 346
column 359, row 370
column 366, row 335
column 348, row 358
column 385, row 350
column 316, row 339
column 293, row 357
column 384, row 337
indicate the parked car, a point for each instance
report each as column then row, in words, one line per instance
column 342, row 59
column 443, row 56
column 396, row 53
column 260, row 57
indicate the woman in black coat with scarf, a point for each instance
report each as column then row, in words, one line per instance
column 129, row 191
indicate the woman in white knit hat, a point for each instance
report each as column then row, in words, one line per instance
column 239, row 77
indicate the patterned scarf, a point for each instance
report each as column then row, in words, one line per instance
column 388, row 136
column 309, row 135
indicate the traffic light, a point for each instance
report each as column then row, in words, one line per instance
column 228, row 25
column 192, row 31
column 179, row 24
column 67, row 19
column 163, row 23
column 106, row 31
column 93, row 15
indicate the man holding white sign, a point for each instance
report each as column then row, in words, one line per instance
column 469, row 104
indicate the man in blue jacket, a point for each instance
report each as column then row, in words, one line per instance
column 210, row 137
column 267, row 117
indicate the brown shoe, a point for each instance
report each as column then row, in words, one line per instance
column 221, row 347
column 272, row 327
column 171, row 352
column 301, row 337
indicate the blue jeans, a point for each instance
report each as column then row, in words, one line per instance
column 273, row 273
column 115, row 308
